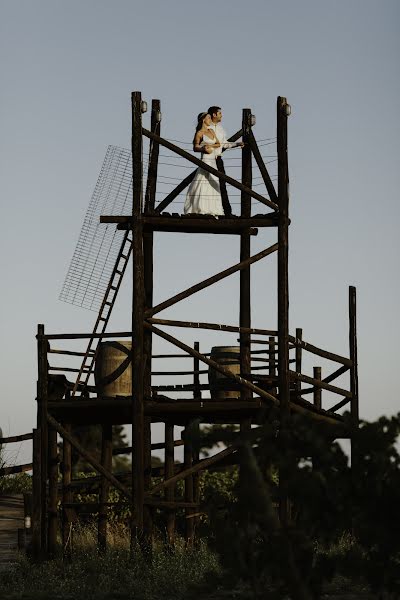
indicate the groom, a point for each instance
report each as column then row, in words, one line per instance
column 216, row 117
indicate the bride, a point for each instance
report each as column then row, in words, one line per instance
column 204, row 196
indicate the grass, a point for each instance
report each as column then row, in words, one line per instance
column 114, row 576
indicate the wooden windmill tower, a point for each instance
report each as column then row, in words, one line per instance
column 80, row 402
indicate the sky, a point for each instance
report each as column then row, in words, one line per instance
column 67, row 70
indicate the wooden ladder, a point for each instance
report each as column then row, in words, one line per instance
column 103, row 317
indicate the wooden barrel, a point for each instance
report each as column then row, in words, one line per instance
column 221, row 387
column 113, row 369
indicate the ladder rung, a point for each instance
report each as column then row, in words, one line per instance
column 124, row 256
column 113, row 287
column 102, row 319
column 108, row 303
column 118, row 272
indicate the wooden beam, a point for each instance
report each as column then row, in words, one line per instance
column 318, row 390
column 168, row 473
column 245, row 291
column 106, row 461
column 16, row 438
column 138, row 297
column 67, row 494
column 339, row 405
column 52, row 521
column 263, row 169
column 317, row 383
column 16, row 469
column 202, row 464
column 326, row 379
column 42, row 399
column 199, row 163
column 319, row 352
column 213, row 326
column 210, row 281
column 36, row 495
column 88, row 457
column 283, row 297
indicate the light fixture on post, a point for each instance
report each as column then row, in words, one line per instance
column 252, row 120
column 143, row 106
column 288, row 110
column 158, row 116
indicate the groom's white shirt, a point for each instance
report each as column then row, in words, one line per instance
column 221, row 136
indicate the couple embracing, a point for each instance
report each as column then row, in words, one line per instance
column 204, row 194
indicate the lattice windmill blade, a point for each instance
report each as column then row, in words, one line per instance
column 102, row 252
column 104, row 313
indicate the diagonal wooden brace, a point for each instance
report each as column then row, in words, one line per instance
column 209, row 281
column 92, row 461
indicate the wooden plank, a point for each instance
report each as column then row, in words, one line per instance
column 191, row 223
column 210, row 281
column 199, row 163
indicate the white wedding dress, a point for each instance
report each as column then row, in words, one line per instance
column 204, row 195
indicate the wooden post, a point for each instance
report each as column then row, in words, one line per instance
column 138, row 298
column 148, row 258
column 299, row 352
column 283, row 296
column 42, row 387
column 272, row 359
column 245, row 301
column 189, row 490
column 354, row 410
column 106, row 461
column 53, row 461
column 168, row 473
column 66, row 494
column 36, row 495
column 196, row 395
column 317, row 390
column 222, row 186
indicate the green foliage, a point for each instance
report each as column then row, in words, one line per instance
column 170, row 574
column 16, row 484
column 327, row 499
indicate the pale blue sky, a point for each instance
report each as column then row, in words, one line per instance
column 67, row 70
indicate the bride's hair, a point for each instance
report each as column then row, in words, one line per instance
column 200, row 118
